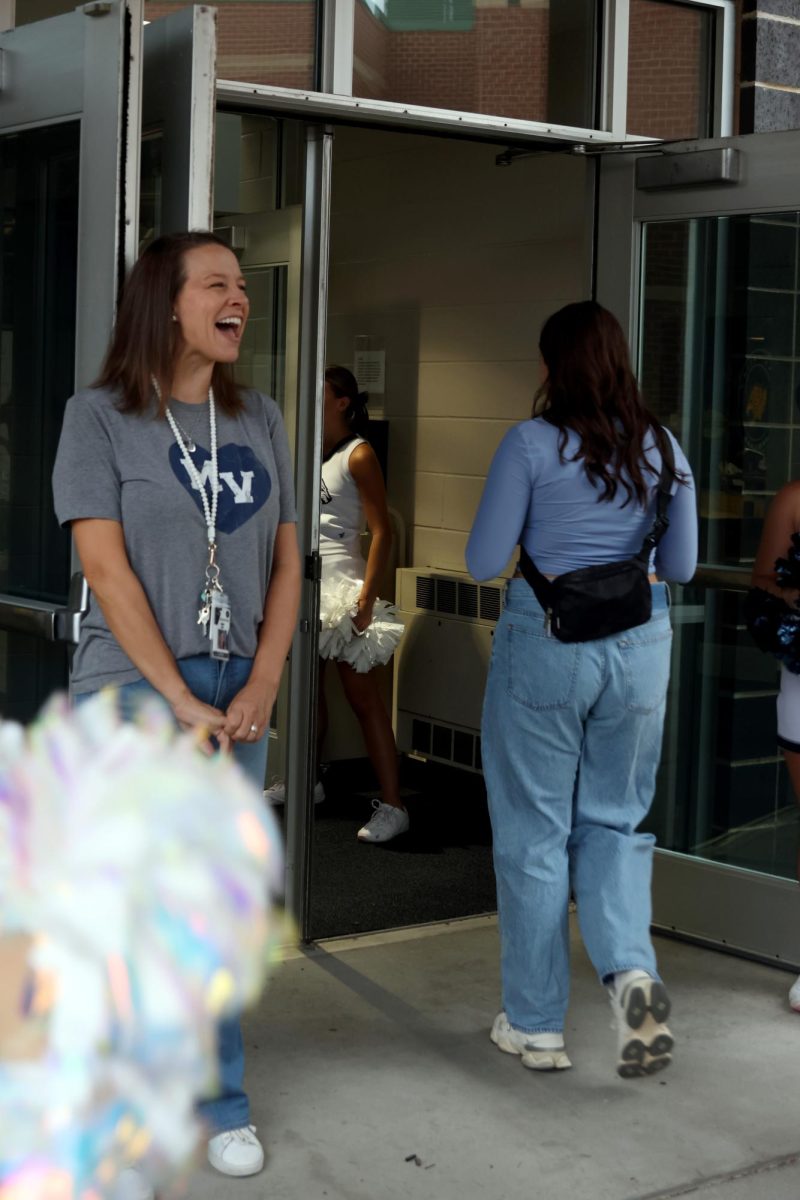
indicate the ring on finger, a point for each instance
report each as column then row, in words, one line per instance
column 254, row 729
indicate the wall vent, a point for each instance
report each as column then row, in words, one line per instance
column 426, row 592
column 491, row 603
column 444, row 743
column 458, row 598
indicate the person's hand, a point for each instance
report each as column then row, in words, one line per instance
column 203, row 719
column 363, row 618
column 247, row 718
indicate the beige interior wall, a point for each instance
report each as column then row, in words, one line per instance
column 452, row 263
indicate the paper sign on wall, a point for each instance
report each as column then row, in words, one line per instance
column 369, row 368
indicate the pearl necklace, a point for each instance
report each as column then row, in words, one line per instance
column 209, row 508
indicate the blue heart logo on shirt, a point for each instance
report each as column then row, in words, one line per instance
column 244, row 481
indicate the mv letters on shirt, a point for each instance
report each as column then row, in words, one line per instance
column 244, row 482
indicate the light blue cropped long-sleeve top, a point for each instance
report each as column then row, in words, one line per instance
column 549, row 503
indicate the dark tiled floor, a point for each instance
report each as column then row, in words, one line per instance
column 440, row 869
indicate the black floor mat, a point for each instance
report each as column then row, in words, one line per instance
column 440, row 869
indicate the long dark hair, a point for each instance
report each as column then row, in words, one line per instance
column 344, row 383
column 145, row 336
column 591, row 389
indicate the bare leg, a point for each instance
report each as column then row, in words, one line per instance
column 365, row 700
column 792, row 760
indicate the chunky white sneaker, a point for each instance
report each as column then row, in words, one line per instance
column 794, row 995
column 276, row 792
column 539, row 1051
column 641, row 1006
column 385, row 823
column 131, row 1184
column 236, row 1152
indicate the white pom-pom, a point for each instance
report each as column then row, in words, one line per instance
column 143, row 872
column 339, row 638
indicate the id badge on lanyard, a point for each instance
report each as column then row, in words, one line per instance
column 215, row 607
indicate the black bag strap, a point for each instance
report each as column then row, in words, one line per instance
column 543, row 587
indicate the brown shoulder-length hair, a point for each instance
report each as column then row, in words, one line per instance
column 146, row 339
column 591, row 389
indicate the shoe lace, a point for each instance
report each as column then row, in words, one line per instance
column 384, row 815
column 245, row 1134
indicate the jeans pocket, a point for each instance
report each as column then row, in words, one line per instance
column 541, row 670
column 646, row 663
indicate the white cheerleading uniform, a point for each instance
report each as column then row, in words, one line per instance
column 341, row 516
column 342, row 523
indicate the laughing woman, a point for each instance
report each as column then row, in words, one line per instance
column 177, row 486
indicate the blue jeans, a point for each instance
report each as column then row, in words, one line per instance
column 215, row 683
column 571, row 744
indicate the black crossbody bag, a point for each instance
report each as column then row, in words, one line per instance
column 595, row 602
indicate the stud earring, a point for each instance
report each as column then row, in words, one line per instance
column 174, row 318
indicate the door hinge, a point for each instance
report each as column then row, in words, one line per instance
column 98, row 8
column 313, row 568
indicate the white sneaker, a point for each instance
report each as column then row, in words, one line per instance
column 641, row 1006
column 385, row 823
column 236, row 1152
column 131, row 1184
column 276, row 792
column 539, row 1051
column 794, row 995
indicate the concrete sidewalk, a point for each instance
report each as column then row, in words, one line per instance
column 372, row 1077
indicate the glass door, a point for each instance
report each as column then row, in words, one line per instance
column 271, row 204
column 70, row 169
column 66, row 166
column 699, row 254
column 258, row 210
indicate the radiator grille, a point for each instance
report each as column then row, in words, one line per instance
column 458, row 598
column 491, row 603
column 446, row 744
column 426, row 592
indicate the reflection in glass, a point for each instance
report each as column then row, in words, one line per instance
column 533, row 60
column 720, row 365
column 259, row 41
column 262, row 357
column 151, row 188
column 39, row 180
column 670, row 69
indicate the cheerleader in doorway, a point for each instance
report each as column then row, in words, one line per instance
column 358, row 631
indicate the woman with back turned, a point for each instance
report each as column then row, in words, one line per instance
column 572, row 729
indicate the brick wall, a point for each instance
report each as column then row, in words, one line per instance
column 498, row 66
column 260, row 43
column 664, row 70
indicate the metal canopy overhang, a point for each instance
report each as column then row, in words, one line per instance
column 321, row 107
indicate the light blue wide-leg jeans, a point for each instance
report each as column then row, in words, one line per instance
column 571, row 741
column 215, row 683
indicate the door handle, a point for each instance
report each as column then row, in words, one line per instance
column 42, row 620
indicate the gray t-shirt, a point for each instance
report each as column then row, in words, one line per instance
column 128, row 468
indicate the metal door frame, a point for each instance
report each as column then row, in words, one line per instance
column 84, row 66
column 728, row 907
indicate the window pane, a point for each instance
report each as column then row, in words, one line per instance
column 670, row 77
column 259, row 41
column 530, row 59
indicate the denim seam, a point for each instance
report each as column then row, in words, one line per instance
column 628, row 966
column 642, row 710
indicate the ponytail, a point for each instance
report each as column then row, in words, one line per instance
column 344, row 383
